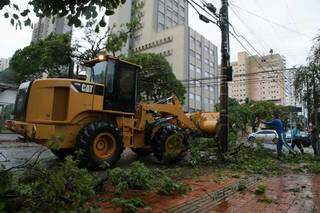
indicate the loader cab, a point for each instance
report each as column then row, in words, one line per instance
column 120, row 83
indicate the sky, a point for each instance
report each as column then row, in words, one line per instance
column 286, row 26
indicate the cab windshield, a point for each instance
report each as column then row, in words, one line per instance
column 99, row 72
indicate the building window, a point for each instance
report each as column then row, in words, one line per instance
column 181, row 19
column 198, row 70
column 198, row 98
column 192, row 67
column 206, row 61
column 161, row 17
column 160, row 27
column 192, row 53
column 198, row 56
column 169, row 22
column 211, row 52
column 206, row 49
column 199, row 44
column 191, row 96
column 206, row 74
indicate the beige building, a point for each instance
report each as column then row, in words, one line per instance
column 165, row 31
column 46, row 26
column 259, row 78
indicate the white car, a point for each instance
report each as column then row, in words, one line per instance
column 265, row 135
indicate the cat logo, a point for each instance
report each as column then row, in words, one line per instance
column 81, row 87
column 87, row 88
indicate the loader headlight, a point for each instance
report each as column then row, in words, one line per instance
column 101, row 57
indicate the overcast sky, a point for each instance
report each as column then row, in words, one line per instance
column 286, row 26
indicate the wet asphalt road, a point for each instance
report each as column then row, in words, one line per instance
column 14, row 153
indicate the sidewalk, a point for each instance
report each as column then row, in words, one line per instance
column 289, row 193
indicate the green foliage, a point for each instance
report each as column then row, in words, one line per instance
column 6, row 186
column 139, row 177
column 248, row 114
column 51, row 56
column 260, row 190
column 65, row 187
column 203, row 151
column 128, row 205
column 170, row 187
column 5, row 114
column 265, row 200
column 75, row 11
column 99, row 40
column 7, row 76
column 314, row 167
column 242, row 185
column 156, row 80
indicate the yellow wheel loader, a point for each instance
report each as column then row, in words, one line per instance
column 99, row 116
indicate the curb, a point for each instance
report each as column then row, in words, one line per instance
column 211, row 199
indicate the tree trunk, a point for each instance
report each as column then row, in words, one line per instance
column 315, row 115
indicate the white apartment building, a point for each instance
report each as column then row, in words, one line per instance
column 46, row 26
column 4, row 63
column 165, row 31
column 259, row 78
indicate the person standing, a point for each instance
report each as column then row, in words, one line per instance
column 296, row 139
column 278, row 125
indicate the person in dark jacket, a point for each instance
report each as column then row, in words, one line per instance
column 278, row 125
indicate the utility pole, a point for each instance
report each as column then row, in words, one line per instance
column 225, row 72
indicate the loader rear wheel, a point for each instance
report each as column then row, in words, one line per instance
column 169, row 144
column 141, row 152
column 100, row 145
column 62, row 153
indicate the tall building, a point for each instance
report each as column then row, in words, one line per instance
column 46, row 26
column 259, row 78
column 165, row 31
column 4, row 63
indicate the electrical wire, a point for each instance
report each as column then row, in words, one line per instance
column 270, row 21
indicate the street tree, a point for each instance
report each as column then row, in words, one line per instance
column 51, row 56
column 75, row 11
column 306, row 83
column 156, row 79
column 109, row 39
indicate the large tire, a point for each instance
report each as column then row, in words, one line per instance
column 141, row 152
column 100, row 145
column 169, row 145
column 62, row 153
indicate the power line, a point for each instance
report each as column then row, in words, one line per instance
column 270, row 21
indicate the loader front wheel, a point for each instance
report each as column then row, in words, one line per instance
column 169, row 144
column 99, row 145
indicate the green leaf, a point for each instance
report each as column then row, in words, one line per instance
column 15, row 6
column 25, row 12
column 109, row 12
column 102, row 22
column 15, row 16
column 27, row 22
